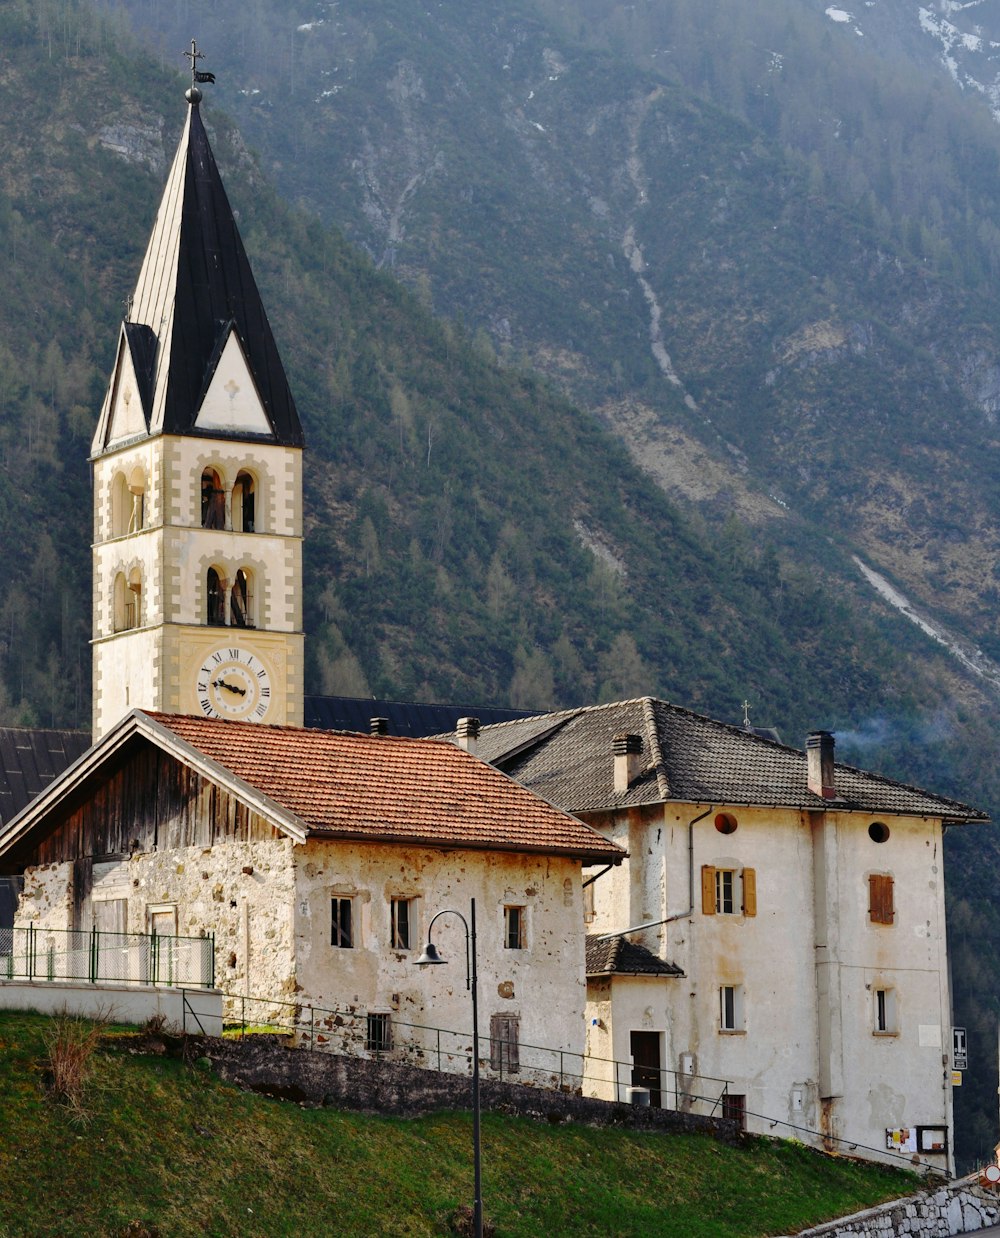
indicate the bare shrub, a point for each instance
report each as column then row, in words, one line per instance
column 71, row 1046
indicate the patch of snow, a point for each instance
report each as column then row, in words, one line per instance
column 310, row 25
column 838, row 14
column 540, row 128
column 255, row 91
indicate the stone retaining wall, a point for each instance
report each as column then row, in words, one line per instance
column 262, row 1063
column 959, row 1208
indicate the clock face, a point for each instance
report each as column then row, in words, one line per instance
column 234, row 683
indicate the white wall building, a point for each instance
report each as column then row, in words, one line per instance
column 779, row 922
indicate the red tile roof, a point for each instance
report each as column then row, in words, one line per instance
column 389, row 788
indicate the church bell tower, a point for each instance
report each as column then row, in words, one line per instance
column 197, row 464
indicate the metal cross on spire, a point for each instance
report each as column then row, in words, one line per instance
column 197, row 75
column 746, row 716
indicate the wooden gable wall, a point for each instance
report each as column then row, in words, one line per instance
column 152, row 803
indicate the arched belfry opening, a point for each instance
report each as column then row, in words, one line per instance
column 244, row 504
column 213, row 500
column 215, row 598
column 241, row 600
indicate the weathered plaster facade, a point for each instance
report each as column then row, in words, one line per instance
column 318, row 919
column 268, row 905
column 805, row 963
column 541, row 985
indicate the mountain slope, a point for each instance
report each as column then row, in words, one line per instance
column 794, row 313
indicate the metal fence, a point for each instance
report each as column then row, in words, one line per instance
column 377, row 1035
column 95, row 957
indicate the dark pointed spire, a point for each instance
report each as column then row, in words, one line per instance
column 195, row 290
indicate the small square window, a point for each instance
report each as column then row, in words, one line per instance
column 513, row 928
column 734, row 1108
column 379, row 1037
column 341, row 923
column 399, row 912
column 728, row 891
column 731, row 1008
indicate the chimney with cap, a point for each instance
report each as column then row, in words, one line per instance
column 378, row 726
column 467, row 733
column 819, row 764
column 627, row 750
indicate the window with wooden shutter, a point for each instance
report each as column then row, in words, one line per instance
column 749, row 892
column 504, row 1043
column 880, row 901
column 708, row 889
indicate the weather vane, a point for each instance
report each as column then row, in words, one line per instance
column 128, row 306
column 197, row 75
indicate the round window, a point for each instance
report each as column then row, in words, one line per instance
column 878, row 832
column 726, row 823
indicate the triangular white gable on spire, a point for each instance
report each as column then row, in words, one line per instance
column 122, row 416
column 231, row 404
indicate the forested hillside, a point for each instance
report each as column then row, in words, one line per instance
column 472, row 534
column 785, row 309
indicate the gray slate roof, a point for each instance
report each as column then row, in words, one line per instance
column 30, row 759
column 566, row 758
column 619, row 957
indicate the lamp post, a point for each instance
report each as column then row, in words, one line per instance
column 430, row 955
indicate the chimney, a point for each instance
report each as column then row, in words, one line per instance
column 627, row 751
column 819, row 764
column 467, row 734
column 378, row 726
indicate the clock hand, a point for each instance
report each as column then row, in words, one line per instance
column 230, row 687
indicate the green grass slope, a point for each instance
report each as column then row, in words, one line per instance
column 159, row 1149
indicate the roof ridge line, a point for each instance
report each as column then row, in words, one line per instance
column 656, row 751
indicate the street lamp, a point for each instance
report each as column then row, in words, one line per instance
column 429, row 956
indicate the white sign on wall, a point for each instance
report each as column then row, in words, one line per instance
column 960, row 1049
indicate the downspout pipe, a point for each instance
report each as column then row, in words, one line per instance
column 680, row 915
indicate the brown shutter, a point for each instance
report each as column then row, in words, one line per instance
column 880, row 900
column 749, row 892
column 708, row 889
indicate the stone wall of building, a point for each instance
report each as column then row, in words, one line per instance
column 261, row 1065
column 959, row 1208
